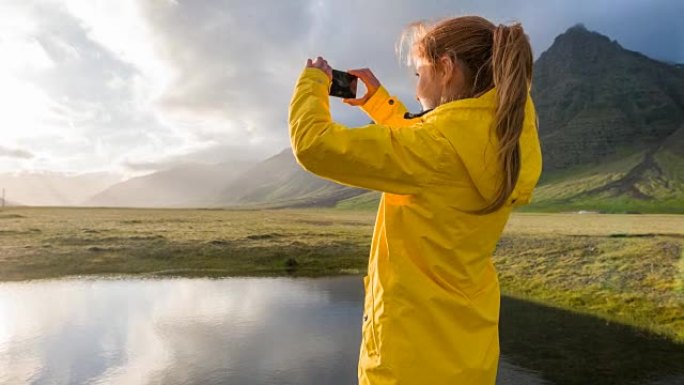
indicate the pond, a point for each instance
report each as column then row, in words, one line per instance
column 276, row 331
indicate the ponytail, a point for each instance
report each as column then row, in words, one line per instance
column 512, row 75
column 494, row 56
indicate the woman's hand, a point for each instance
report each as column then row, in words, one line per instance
column 372, row 84
column 321, row 64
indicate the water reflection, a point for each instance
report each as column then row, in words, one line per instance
column 271, row 331
column 242, row 331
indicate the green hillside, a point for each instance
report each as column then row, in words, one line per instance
column 645, row 181
column 365, row 201
column 280, row 181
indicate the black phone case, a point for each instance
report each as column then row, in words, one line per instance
column 343, row 84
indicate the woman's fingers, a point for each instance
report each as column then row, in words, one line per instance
column 372, row 84
column 318, row 63
column 365, row 74
column 321, row 64
column 367, row 77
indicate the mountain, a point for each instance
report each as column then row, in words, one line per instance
column 186, row 185
column 611, row 124
column 596, row 99
column 273, row 183
column 280, row 181
column 53, row 188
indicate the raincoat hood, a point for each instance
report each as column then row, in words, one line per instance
column 468, row 124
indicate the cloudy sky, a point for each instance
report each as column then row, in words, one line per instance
column 132, row 86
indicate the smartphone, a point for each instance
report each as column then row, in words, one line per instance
column 343, row 84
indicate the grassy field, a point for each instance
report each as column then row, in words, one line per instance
column 626, row 268
column 54, row 242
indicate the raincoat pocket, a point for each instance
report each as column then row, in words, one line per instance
column 368, row 328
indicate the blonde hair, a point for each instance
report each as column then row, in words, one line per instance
column 490, row 56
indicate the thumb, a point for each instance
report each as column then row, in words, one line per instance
column 352, row 102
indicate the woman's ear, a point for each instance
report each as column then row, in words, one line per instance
column 446, row 69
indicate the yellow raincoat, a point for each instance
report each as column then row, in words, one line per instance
column 431, row 306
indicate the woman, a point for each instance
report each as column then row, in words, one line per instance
column 450, row 177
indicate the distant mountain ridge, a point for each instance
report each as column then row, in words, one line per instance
column 280, row 181
column 185, row 185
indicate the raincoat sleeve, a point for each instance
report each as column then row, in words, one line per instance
column 386, row 109
column 376, row 156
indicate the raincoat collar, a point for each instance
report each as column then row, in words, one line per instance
column 487, row 99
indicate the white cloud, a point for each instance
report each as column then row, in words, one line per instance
column 90, row 85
